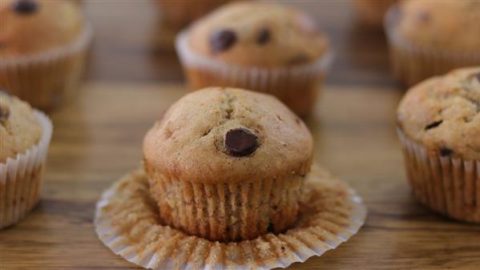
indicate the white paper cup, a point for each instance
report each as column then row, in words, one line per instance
column 45, row 79
column 412, row 64
column 21, row 177
column 297, row 86
column 447, row 185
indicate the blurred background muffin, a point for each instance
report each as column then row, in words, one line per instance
column 372, row 12
column 432, row 37
column 281, row 52
column 439, row 127
column 43, row 47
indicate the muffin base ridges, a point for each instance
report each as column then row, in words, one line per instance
column 447, row 185
column 21, row 178
column 128, row 223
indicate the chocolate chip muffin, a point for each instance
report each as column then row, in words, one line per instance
column 280, row 52
column 371, row 12
column 24, row 136
column 228, row 164
column 439, row 127
column 432, row 37
column 43, row 46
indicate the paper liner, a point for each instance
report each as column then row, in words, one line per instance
column 297, row 86
column 127, row 222
column 45, row 79
column 226, row 212
column 447, row 185
column 21, row 178
column 412, row 64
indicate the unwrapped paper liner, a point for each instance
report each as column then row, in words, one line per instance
column 297, row 86
column 412, row 64
column 21, row 177
column 127, row 222
column 448, row 185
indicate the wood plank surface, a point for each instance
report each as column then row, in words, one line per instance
column 98, row 139
column 132, row 79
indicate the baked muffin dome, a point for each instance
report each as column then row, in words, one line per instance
column 443, row 114
column 240, row 156
column 243, row 33
column 34, row 26
column 443, row 24
column 19, row 128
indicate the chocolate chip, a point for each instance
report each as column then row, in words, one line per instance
column 240, row 142
column 423, row 16
column 298, row 60
column 270, row 228
column 444, row 151
column 4, row 114
column 25, row 7
column 433, row 124
column 222, row 40
column 264, row 36
column 477, row 77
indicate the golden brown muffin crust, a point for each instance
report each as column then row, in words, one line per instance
column 443, row 113
column 189, row 142
column 34, row 26
column 19, row 128
column 258, row 34
column 442, row 24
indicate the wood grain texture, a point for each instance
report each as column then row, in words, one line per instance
column 133, row 79
column 98, row 139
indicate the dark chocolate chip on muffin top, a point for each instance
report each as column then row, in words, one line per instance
column 25, row 7
column 240, row 142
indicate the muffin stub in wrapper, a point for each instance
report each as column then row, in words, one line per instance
column 46, row 79
column 412, row 64
column 128, row 223
column 297, row 86
column 448, row 185
column 21, row 178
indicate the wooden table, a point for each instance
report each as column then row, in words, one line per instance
column 132, row 80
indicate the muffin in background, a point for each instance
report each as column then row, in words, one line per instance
column 177, row 14
column 372, row 12
column 228, row 164
column 280, row 52
column 432, row 37
column 24, row 136
column 43, row 49
column 439, row 128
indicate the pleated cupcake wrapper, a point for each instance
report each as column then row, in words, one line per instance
column 448, row 185
column 127, row 222
column 412, row 64
column 297, row 86
column 21, row 178
column 45, row 79
column 228, row 212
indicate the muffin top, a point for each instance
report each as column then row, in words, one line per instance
column 224, row 135
column 19, row 128
column 258, row 34
column 443, row 24
column 443, row 113
column 34, row 26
